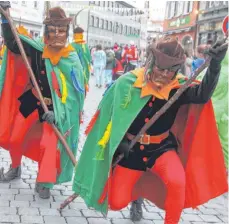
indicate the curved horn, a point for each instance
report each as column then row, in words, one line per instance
column 74, row 22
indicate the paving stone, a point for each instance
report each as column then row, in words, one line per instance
column 37, row 204
column 222, row 211
column 49, row 212
column 152, row 209
column 8, row 211
column 24, row 197
column 192, row 211
column 19, row 186
column 54, row 220
column 115, row 214
column 30, row 181
column 60, row 198
column 79, row 199
column 56, row 193
column 191, row 217
column 223, row 218
column 9, row 218
column 71, row 213
column 91, row 213
column 27, row 191
column 56, row 205
column 143, row 221
column 24, row 176
column 78, row 206
column 214, row 205
column 28, row 211
column 151, row 215
column 4, row 185
column 122, row 221
column 8, row 191
column 59, row 187
column 67, row 193
column 98, row 221
column 78, row 220
column 7, row 197
column 32, row 219
column 38, row 199
column 21, row 204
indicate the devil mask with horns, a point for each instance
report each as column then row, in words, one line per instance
column 56, row 28
column 163, row 62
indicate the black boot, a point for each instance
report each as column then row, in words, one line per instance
column 43, row 192
column 11, row 174
column 136, row 210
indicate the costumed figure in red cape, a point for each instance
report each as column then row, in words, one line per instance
column 25, row 128
column 178, row 163
column 132, row 57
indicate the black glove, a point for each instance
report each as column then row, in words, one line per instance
column 5, row 4
column 124, row 148
column 218, row 51
column 49, row 117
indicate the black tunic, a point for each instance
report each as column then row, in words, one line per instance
column 140, row 159
column 29, row 102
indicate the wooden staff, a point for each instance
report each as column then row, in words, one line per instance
column 34, row 81
column 155, row 117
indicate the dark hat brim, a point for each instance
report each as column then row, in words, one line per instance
column 57, row 22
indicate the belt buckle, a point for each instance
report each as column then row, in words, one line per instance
column 142, row 142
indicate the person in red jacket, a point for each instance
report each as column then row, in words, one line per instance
column 132, row 57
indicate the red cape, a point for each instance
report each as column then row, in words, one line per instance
column 15, row 84
column 201, row 154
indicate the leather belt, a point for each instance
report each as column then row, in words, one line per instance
column 149, row 139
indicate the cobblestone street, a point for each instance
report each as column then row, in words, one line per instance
column 19, row 203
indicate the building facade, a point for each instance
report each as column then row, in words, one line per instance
column 156, row 20
column 29, row 14
column 107, row 22
column 210, row 18
column 180, row 21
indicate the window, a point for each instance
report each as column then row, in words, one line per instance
column 35, row 4
column 172, row 9
column 203, row 5
column 96, row 22
column 110, row 26
column 180, row 6
column 23, row 2
column 167, row 10
column 116, row 27
column 211, row 4
column 92, row 21
column 121, row 29
column 106, row 25
column 101, row 23
column 125, row 30
column 188, row 7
